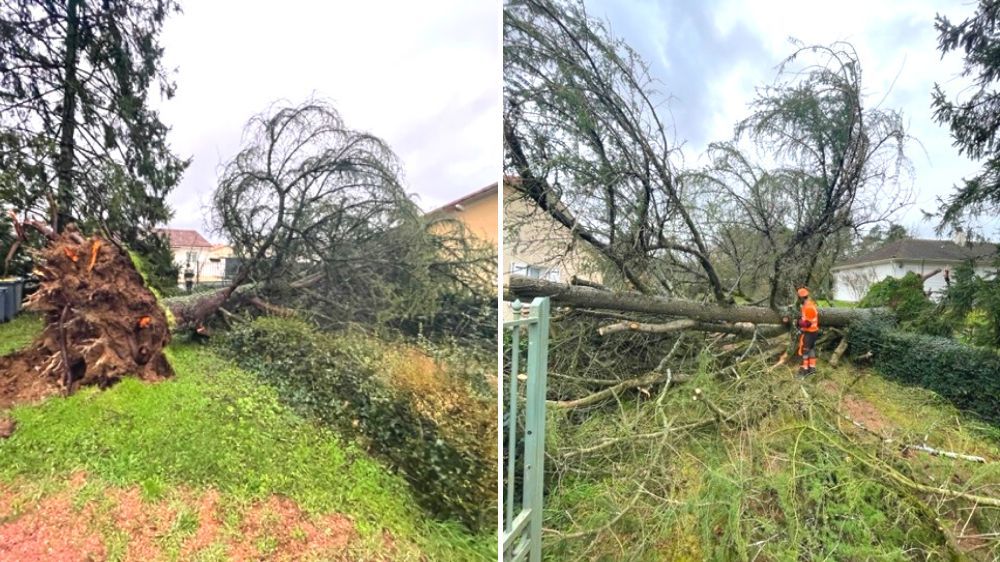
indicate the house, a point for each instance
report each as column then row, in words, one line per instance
column 216, row 267
column 853, row 277
column 478, row 211
column 535, row 245
column 192, row 250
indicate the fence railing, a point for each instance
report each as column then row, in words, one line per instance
column 524, row 436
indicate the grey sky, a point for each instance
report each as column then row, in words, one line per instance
column 709, row 56
column 424, row 76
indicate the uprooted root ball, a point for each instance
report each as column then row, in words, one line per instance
column 101, row 323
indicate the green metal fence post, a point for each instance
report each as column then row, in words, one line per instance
column 534, row 422
column 522, row 529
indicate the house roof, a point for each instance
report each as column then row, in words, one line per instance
column 185, row 238
column 930, row 250
column 457, row 204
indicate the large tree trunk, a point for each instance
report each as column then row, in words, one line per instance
column 569, row 295
column 191, row 313
column 67, row 128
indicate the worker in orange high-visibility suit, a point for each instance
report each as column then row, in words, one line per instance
column 808, row 332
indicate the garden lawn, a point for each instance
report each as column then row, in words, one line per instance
column 210, row 448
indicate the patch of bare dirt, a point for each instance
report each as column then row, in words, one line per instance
column 865, row 413
column 51, row 528
column 7, row 427
column 278, row 529
column 143, row 522
column 858, row 409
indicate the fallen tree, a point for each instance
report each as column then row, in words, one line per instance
column 576, row 296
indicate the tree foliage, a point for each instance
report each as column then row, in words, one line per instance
column 905, row 296
column 972, row 306
column 78, row 140
column 974, row 118
column 585, row 136
column 319, row 215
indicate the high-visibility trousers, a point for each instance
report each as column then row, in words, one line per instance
column 807, row 347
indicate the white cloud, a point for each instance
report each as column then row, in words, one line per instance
column 896, row 43
column 423, row 76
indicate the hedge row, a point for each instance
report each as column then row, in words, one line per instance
column 967, row 376
column 332, row 379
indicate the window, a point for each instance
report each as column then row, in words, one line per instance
column 534, row 271
column 192, row 257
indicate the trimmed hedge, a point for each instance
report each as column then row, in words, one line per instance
column 967, row 376
column 335, row 380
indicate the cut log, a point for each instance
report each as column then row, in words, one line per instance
column 526, row 288
column 739, row 328
column 838, row 353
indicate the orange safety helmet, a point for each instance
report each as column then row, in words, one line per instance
column 803, row 292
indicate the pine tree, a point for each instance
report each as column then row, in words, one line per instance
column 974, row 120
column 78, row 139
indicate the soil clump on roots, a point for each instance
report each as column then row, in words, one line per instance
column 101, row 323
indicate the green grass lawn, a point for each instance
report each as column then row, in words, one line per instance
column 215, row 426
column 19, row 332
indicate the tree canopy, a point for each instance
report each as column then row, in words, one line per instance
column 586, row 136
column 973, row 117
column 79, row 141
column 319, row 215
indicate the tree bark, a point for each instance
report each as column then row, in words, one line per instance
column 64, row 169
column 927, row 276
column 568, row 295
column 740, row 328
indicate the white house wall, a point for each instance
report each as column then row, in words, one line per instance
column 851, row 284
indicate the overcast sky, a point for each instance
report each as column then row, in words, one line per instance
column 710, row 55
column 424, row 76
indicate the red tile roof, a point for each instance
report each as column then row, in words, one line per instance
column 185, row 238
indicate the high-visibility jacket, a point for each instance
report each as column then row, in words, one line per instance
column 810, row 317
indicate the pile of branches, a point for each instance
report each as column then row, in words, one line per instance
column 652, row 418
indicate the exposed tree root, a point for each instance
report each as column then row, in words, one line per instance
column 101, row 323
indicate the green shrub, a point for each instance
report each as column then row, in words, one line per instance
column 435, row 441
column 905, row 296
column 972, row 303
column 967, row 376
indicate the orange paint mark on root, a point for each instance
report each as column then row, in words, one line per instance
column 93, row 254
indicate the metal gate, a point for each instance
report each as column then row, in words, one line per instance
column 522, row 525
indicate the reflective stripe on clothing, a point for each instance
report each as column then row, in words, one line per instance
column 807, row 344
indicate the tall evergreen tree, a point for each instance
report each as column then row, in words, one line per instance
column 974, row 119
column 78, row 139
